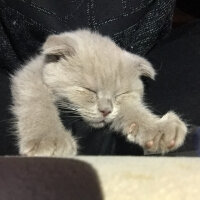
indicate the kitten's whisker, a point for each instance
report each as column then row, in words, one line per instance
column 72, row 122
column 68, row 106
column 77, row 117
column 66, row 111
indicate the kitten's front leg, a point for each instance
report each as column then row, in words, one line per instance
column 167, row 135
column 40, row 132
column 39, row 128
column 153, row 133
column 59, row 144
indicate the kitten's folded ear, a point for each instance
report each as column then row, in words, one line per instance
column 142, row 66
column 57, row 46
column 145, row 68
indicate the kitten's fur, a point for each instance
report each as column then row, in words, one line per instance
column 101, row 82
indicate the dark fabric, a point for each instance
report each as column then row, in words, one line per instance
column 135, row 25
column 47, row 178
column 177, row 86
column 7, row 138
column 191, row 7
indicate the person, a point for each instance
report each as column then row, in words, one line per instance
column 141, row 27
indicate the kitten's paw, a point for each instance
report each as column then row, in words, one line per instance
column 59, row 145
column 132, row 132
column 169, row 135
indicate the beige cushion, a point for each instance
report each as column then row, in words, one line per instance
column 153, row 178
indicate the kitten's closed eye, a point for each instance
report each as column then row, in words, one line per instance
column 123, row 93
column 90, row 90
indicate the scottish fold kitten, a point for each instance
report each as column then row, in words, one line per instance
column 91, row 75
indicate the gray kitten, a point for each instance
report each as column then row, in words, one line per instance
column 101, row 82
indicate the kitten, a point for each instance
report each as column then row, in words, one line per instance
column 101, row 82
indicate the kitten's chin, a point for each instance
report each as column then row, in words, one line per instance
column 97, row 124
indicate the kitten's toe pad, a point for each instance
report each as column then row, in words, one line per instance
column 169, row 136
column 131, row 132
column 132, row 128
column 55, row 146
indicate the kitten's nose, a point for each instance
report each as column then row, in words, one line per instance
column 105, row 112
column 105, row 106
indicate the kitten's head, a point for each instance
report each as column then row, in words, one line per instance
column 95, row 75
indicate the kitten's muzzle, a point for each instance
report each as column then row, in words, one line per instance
column 105, row 106
column 105, row 112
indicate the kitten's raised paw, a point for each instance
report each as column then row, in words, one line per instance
column 169, row 135
column 60, row 145
column 132, row 131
